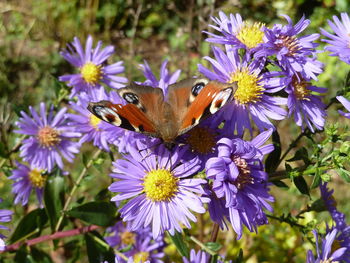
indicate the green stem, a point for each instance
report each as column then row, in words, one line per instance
column 74, row 188
column 291, row 146
column 203, row 246
column 286, row 221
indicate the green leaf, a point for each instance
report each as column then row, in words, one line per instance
column 97, row 213
column 213, row 246
column 345, row 174
column 181, row 246
column 301, row 154
column 318, row 206
column 239, row 258
column 272, row 159
column 280, row 184
column 30, row 224
column 22, row 256
column 301, row 184
column 54, row 198
column 316, row 181
column 40, row 256
column 97, row 249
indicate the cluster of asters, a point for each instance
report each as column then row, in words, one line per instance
column 158, row 186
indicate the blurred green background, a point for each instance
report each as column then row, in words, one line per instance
column 32, row 32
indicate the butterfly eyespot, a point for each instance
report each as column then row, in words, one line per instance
column 131, row 98
column 197, row 88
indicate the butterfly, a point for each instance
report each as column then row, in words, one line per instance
column 148, row 111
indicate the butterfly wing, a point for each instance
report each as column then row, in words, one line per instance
column 197, row 99
column 127, row 116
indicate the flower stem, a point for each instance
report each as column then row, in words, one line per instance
column 56, row 235
column 203, row 246
column 74, row 188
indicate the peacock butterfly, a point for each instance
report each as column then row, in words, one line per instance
column 147, row 110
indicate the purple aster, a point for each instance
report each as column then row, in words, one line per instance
column 295, row 54
column 92, row 128
column 5, row 217
column 200, row 257
column 339, row 44
column 308, row 109
column 92, row 66
column 239, row 179
column 158, row 189
column 343, row 237
column 324, row 254
column 346, row 104
column 236, row 32
column 139, row 244
column 165, row 78
column 202, row 139
column 25, row 180
column 49, row 138
column 252, row 98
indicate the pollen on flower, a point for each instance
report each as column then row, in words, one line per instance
column 91, row 73
column 127, row 238
column 94, row 121
column 141, row 256
column 160, row 185
column 48, row 136
column 36, row 178
column 201, row 140
column 249, row 86
column 251, row 35
column 289, row 42
column 244, row 177
column 301, row 91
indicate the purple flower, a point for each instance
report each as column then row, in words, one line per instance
column 158, row 191
column 139, row 245
column 203, row 138
column 343, row 237
column 200, row 257
column 346, row 104
column 92, row 128
column 25, row 180
column 295, row 54
column 308, row 109
column 252, row 98
column 324, row 254
column 92, row 66
column 339, row 44
column 236, row 32
column 165, row 78
column 239, row 179
column 50, row 138
column 5, row 217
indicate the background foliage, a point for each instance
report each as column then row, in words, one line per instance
column 33, row 32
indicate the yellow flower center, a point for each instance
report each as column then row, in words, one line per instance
column 301, row 91
column 201, row 140
column 141, row 257
column 251, row 35
column 244, row 177
column 249, row 86
column 160, row 185
column 37, row 178
column 127, row 238
column 290, row 42
column 48, row 137
column 94, row 121
column 91, row 73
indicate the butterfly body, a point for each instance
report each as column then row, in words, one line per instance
column 147, row 110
